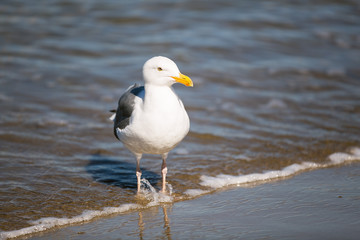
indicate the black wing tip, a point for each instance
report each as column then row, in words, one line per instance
column 115, row 133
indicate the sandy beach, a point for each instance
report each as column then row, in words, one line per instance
column 320, row 204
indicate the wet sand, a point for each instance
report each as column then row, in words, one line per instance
column 320, row 204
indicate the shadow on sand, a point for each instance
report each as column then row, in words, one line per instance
column 117, row 173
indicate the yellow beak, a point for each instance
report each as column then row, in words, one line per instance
column 184, row 80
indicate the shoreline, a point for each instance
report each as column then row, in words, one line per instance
column 323, row 203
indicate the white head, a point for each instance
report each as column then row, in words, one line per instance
column 162, row 71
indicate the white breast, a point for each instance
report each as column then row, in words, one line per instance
column 157, row 125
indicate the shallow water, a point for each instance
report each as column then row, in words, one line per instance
column 275, row 84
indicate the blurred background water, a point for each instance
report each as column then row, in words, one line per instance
column 275, row 83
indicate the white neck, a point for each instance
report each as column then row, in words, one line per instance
column 155, row 95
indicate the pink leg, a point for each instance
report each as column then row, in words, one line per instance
column 164, row 172
column 138, row 171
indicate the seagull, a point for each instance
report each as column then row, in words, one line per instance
column 151, row 118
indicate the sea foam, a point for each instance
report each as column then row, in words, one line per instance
column 195, row 192
column 51, row 222
column 223, row 180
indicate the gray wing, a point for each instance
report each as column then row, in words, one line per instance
column 126, row 106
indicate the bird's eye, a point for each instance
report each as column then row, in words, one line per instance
column 159, row 69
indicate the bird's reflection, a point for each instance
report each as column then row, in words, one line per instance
column 141, row 226
column 167, row 230
column 166, row 225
